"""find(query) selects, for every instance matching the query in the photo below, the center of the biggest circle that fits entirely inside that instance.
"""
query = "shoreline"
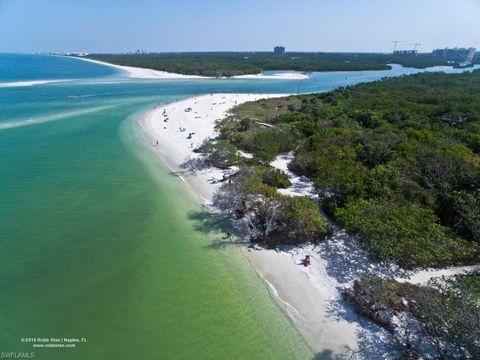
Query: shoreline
(141, 73)
(306, 295)
(274, 76)
(176, 151)
(311, 297)
(151, 74)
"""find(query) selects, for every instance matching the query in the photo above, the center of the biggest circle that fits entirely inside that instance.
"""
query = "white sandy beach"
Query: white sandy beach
(165, 124)
(141, 73)
(274, 76)
(310, 296)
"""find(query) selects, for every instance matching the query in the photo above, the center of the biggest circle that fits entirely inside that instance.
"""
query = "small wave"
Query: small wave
(87, 95)
(48, 118)
(30, 83)
(289, 308)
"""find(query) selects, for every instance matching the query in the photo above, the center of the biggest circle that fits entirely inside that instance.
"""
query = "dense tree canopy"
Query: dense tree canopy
(396, 161)
(240, 63)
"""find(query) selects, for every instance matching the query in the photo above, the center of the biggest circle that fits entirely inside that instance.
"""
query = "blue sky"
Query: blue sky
(215, 25)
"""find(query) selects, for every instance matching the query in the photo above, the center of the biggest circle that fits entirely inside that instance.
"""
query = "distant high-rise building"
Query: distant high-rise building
(455, 54)
(279, 50)
(405, 52)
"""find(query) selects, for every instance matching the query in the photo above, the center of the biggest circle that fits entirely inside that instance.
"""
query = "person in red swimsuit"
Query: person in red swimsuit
(306, 261)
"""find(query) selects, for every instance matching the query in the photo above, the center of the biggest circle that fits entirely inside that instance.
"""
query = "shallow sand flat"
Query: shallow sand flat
(30, 83)
(275, 76)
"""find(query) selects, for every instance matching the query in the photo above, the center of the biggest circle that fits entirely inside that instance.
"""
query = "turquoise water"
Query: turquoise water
(15, 67)
(99, 241)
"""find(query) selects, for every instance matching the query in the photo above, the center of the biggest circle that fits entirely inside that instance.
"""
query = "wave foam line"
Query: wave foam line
(30, 83)
(48, 118)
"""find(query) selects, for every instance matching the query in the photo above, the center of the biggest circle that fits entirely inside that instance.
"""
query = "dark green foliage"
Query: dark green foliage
(408, 234)
(335, 171)
(229, 64)
(264, 175)
(300, 221)
(274, 177)
(377, 147)
(221, 154)
(253, 136)
(468, 285)
(460, 210)
(380, 152)
(267, 143)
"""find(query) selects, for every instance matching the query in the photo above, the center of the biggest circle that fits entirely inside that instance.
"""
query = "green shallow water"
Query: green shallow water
(100, 241)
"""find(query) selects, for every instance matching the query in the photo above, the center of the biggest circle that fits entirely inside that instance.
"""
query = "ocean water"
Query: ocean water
(99, 241)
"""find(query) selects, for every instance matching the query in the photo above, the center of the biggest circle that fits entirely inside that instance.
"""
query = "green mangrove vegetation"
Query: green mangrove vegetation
(396, 162)
(221, 64)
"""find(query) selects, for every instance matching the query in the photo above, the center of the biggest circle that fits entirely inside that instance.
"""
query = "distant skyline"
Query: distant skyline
(247, 25)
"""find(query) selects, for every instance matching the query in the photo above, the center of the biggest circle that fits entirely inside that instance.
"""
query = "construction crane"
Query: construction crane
(395, 42)
(415, 44)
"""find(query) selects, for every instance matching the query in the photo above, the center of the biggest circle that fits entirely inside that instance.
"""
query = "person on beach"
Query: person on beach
(306, 261)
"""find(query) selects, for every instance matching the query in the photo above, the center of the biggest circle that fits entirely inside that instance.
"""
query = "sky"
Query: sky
(241, 25)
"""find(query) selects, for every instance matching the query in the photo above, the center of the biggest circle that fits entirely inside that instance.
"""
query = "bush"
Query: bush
(275, 177)
(338, 177)
(301, 221)
(461, 211)
(268, 143)
(407, 234)
(221, 154)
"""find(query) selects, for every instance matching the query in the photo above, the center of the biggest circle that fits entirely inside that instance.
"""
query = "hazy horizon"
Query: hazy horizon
(203, 52)
(213, 25)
